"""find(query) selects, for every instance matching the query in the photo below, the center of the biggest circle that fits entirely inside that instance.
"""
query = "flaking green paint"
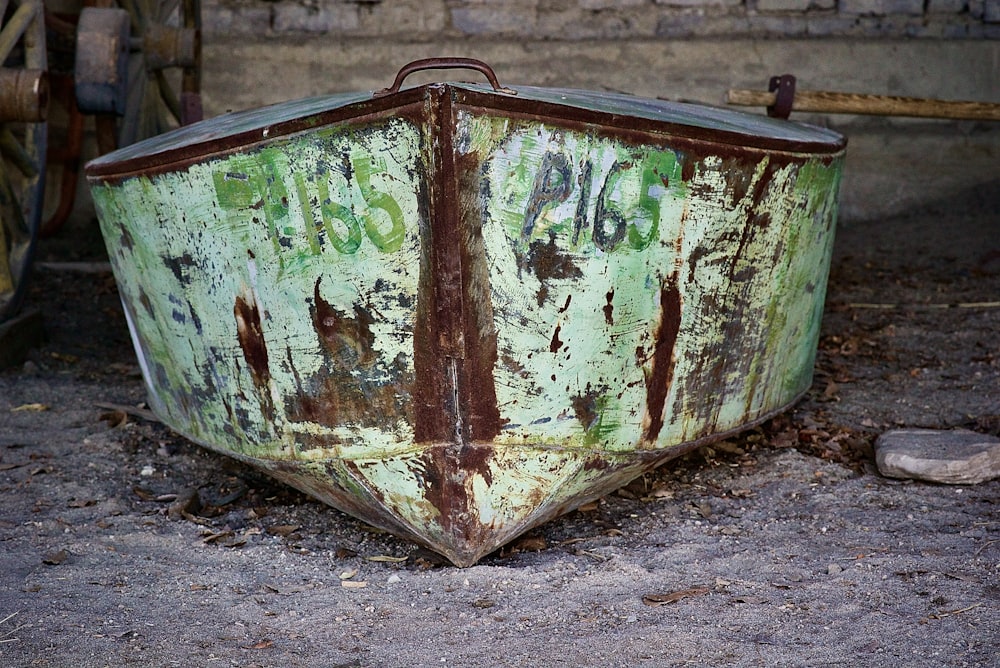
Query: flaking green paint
(273, 296)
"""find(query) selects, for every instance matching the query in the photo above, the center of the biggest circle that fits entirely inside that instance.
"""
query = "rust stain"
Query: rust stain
(755, 222)
(555, 344)
(347, 339)
(477, 394)
(738, 178)
(596, 463)
(609, 308)
(446, 470)
(687, 167)
(337, 393)
(585, 408)
(662, 369)
(477, 459)
(251, 337)
(547, 262)
(431, 420)
(438, 331)
(146, 303)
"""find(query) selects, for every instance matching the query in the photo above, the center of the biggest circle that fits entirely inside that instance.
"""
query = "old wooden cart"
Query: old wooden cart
(135, 68)
(458, 310)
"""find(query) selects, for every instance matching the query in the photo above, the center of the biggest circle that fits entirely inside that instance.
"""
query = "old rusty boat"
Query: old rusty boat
(457, 310)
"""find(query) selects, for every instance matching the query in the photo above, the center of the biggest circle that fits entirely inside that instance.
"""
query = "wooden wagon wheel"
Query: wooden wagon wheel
(164, 70)
(137, 68)
(23, 101)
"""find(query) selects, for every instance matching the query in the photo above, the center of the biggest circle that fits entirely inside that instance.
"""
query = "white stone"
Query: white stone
(955, 457)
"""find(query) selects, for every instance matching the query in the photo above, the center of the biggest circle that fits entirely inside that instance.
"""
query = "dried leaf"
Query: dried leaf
(347, 575)
(263, 644)
(82, 503)
(284, 530)
(34, 408)
(114, 418)
(529, 544)
(830, 392)
(216, 536)
(386, 558)
(588, 507)
(673, 597)
(483, 603)
(188, 502)
(353, 584)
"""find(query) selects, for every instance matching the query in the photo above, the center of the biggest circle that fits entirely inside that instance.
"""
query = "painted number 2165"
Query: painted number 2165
(613, 222)
(259, 183)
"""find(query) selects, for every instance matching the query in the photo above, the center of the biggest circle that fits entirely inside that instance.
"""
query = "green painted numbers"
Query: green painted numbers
(626, 210)
(262, 181)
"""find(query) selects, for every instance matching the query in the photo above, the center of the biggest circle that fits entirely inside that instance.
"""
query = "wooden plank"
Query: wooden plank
(873, 105)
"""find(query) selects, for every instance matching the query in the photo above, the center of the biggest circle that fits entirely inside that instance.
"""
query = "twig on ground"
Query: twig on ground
(984, 546)
(948, 613)
(6, 638)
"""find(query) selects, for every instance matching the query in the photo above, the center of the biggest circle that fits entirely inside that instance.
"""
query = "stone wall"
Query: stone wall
(424, 20)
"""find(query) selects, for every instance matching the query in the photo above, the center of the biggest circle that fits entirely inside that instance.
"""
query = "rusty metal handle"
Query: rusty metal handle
(444, 64)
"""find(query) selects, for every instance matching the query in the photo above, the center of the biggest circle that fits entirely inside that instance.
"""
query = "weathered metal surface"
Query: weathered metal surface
(456, 313)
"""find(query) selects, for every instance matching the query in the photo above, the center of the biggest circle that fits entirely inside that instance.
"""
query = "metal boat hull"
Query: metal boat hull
(455, 313)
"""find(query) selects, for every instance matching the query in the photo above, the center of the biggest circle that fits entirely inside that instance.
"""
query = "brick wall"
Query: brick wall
(567, 20)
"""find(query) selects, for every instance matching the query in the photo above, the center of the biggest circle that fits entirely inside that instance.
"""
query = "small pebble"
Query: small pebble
(834, 569)
(393, 579)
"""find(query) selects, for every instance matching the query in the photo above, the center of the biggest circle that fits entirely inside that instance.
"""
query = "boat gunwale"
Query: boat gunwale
(636, 129)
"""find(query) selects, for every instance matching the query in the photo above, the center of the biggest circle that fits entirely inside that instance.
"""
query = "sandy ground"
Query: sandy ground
(781, 547)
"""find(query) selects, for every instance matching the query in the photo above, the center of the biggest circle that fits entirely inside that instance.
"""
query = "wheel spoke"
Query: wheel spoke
(15, 152)
(11, 227)
(137, 78)
(167, 10)
(134, 15)
(15, 28)
(154, 111)
(169, 97)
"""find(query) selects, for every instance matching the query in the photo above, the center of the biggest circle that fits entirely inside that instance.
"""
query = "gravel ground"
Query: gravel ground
(121, 544)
